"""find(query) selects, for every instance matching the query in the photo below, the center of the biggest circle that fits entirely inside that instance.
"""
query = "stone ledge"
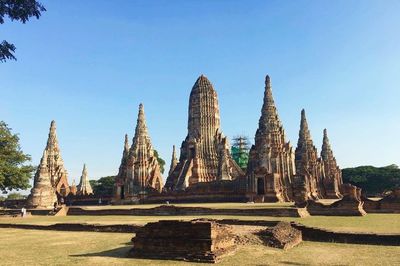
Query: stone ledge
(171, 210)
(115, 228)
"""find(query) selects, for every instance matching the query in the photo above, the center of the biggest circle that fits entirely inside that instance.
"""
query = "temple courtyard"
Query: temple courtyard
(27, 247)
(58, 247)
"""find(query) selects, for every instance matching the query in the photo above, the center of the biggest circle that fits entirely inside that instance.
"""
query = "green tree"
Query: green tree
(161, 162)
(15, 196)
(14, 174)
(373, 180)
(19, 10)
(103, 186)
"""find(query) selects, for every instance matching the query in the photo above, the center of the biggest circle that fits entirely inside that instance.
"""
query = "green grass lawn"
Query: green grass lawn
(377, 223)
(35, 247)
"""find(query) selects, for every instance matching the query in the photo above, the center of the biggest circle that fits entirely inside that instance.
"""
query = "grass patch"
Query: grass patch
(34, 247)
(376, 223)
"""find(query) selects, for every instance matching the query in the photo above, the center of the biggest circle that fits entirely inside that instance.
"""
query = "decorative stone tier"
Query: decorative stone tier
(199, 241)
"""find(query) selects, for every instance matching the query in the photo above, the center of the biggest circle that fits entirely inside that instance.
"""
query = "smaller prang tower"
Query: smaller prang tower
(43, 194)
(271, 163)
(333, 175)
(309, 168)
(84, 188)
(174, 161)
(139, 171)
(55, 163)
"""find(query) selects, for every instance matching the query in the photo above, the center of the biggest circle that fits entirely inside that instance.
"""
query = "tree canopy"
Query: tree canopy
(103, 186)
(17, 10)
(161, 162)
(14, 174)
(373, 180)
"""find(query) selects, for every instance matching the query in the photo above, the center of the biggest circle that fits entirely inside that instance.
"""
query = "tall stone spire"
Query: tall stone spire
(204, 148)
(271, 162)
(174, 161)
(84, 187)
(333, 174)
(307, 162)
(43, 194)
(139, 170)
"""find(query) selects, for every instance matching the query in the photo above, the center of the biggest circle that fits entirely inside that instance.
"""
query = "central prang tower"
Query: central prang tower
(205, 155)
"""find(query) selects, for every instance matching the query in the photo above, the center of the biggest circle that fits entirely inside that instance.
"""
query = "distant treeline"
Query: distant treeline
(373, 180)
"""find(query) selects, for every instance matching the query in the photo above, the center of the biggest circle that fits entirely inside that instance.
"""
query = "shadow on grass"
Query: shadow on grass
(121, 252)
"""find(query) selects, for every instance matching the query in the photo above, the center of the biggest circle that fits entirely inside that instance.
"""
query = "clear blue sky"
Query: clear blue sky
(88, 65)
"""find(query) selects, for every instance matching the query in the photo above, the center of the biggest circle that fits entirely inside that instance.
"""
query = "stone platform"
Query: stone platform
(199, 241)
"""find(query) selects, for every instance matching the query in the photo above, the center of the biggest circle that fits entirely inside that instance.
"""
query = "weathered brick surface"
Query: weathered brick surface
(283, 236)
(202, 241)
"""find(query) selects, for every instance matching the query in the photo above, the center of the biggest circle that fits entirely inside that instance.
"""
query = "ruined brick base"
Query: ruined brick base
(283, 236)
(343, 207)
(199, 241)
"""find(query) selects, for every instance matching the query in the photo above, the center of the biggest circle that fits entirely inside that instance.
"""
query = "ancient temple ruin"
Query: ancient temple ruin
(55, 164)
(43, 194)
(309, 167)
(205, 153)
(84, 188)
(271, 161)
(139, 171)
(333, 174)
(206, 171)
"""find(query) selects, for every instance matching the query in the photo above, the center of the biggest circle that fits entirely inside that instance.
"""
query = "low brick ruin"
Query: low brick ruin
(283, 236)
(388, 204)
(350, 205)
(199, 241)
